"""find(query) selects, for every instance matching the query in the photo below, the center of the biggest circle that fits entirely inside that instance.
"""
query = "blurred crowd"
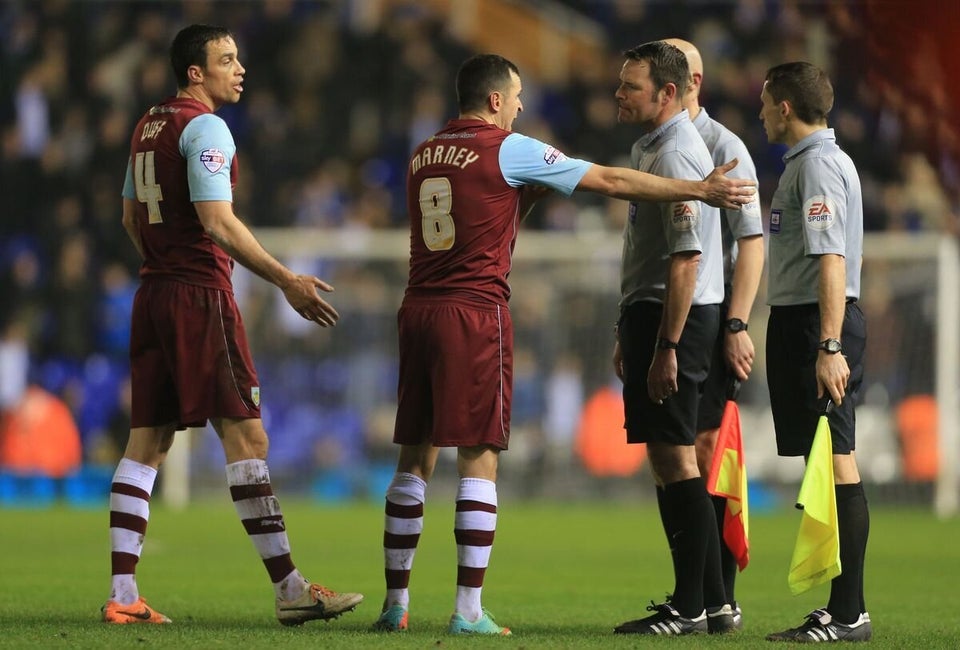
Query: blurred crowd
(336, 94)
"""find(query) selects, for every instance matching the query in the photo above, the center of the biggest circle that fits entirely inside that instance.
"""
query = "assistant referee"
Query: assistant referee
(816, 333)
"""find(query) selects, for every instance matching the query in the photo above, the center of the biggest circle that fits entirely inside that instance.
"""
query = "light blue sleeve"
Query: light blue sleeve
(129, 192)
(527, 161)
(207, 145)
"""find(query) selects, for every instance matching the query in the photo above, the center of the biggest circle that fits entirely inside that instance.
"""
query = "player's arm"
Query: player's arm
(716, 189)
(224, 228)
(738, 346)
(527, 161)
(832, 369)
(131, 225)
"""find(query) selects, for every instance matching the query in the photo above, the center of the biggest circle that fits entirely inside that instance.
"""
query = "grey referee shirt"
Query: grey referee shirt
(816, 210)
(655, 230)
(724, 146)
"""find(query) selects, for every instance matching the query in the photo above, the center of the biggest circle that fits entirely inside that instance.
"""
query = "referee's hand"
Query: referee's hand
(832, 376)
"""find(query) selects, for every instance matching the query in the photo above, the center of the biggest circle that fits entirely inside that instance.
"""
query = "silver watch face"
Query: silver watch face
(830, 345)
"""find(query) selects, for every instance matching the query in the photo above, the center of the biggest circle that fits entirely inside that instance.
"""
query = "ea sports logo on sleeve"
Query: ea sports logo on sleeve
(819, 212)
(685, 216)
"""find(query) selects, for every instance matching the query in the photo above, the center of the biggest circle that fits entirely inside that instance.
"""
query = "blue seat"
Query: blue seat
(90, 487)
(27, 490)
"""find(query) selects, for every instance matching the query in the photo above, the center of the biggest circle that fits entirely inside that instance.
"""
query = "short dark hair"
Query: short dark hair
(668, 64)
(805, 86)
(189, 48)
(481, 75)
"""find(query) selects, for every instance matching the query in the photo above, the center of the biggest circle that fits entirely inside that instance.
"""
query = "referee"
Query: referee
(733, 352)
(671, 288)
(816, 333)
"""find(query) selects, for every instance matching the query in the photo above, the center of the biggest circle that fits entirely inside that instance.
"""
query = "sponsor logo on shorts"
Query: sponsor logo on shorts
(213, 160)
(686, 215)
(775, 220)
(632, 213)
(552, 155)
(819, 212)
(255, 395)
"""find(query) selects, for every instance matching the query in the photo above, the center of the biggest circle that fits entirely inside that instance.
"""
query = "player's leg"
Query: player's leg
(406, 494)
(403, 523)
(245, 445)
(475, 526)
(474, 384)
(130, 494)
(154, 414)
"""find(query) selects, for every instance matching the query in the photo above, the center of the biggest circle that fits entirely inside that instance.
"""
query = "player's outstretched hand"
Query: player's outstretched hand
(730, 193)
(303, 297)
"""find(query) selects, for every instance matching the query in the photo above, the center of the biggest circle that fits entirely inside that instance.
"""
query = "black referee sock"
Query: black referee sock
(728, 563)
(846, 590)
(692, 520)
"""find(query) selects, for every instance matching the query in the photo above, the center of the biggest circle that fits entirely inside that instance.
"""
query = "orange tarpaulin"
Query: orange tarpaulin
(601, 440)
(917, 425)
(40, 436)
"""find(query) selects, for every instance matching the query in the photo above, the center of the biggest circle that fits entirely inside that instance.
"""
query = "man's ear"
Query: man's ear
(195, 74)
(669, 93)
(495, 100)
(697, 79)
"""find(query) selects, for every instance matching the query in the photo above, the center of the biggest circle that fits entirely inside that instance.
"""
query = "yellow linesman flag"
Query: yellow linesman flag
(816, 556)
(728, 478)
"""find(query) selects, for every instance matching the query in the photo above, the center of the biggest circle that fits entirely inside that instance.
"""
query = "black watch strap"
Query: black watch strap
(735, 325)
(666, 344)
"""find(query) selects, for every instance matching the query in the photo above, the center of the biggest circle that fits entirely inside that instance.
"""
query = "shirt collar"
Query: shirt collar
(813, 139)
(649, 138)
(701, 118)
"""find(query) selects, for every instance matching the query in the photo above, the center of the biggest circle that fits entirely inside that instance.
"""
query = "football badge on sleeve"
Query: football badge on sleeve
(685, 215)
(213, 160)
(819, 212)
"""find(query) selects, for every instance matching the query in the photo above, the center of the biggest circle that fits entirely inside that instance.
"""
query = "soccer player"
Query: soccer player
(468, 187)
(816, 333)
(671, 290)
(189, 358)
(733, 352)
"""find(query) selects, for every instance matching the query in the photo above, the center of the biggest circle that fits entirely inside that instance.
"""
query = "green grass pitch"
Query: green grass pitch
(560, 577)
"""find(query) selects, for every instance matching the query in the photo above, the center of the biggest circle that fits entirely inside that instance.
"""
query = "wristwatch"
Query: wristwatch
(735, 325)
(830, 346)
(666, 344)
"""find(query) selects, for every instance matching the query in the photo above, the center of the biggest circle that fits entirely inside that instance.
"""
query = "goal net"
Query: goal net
(329, 395)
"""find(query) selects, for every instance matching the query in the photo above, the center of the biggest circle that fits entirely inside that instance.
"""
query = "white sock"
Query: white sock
(474, 527)
(403, 523)
(130, 510)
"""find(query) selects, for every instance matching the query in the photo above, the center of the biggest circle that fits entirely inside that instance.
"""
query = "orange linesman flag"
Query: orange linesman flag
(728, 478)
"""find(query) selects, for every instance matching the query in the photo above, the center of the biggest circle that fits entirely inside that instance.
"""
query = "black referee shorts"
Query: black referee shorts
(714, 397)
(674, 421)
(792, 336)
